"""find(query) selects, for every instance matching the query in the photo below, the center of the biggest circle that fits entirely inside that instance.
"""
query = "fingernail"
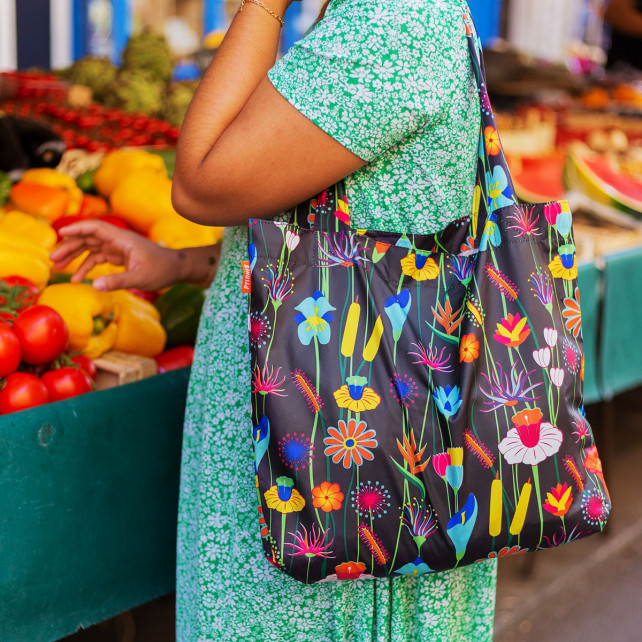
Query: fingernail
(99, 284)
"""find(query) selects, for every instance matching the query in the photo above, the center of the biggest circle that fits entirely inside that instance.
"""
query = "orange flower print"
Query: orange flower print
(327, 497)
(559, 500)
(350, 443)
(350, 570)
(573, 314)
(493, 144)
(512, 331)
(593, 464)
(468, 348)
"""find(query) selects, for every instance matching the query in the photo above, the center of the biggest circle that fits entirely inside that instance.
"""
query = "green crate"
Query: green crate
(88, 504)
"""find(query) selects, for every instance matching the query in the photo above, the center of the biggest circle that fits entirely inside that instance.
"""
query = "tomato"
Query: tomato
(64, 383)
(10, 351)
(16, 293)
(21, 391)
(174, 358)
(42, 333)
(115, 220)
(86, 364)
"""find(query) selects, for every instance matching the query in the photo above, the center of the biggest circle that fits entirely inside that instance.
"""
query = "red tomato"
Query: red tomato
(10, 351)
(86, 364)
(64, 383)
(30, 293)
(174, 358)
(43, 334)
(21, 391)
(115, 220)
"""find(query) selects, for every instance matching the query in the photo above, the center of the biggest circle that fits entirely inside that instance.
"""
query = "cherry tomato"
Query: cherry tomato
(64, 383)
(43, 334)
(86, 364)
(21, 391)
(174, 358)
(10, 351)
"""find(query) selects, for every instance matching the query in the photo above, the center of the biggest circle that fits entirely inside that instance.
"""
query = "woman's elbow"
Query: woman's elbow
(192, 206)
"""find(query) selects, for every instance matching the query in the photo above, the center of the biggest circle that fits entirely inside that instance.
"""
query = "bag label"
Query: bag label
(246, 285)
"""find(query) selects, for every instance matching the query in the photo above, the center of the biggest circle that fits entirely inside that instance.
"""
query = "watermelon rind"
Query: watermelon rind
(578, 176)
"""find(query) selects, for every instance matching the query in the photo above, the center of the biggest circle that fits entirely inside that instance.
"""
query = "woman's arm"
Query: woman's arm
(623, 16)
(244, 151)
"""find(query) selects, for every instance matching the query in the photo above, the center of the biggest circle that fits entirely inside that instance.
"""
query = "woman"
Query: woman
(383, 93)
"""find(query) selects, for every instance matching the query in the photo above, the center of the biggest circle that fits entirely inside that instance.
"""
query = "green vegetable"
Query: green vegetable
(149, 52)
(5, 186)
(136, 90)
(93, 72)
(180, 309)
(86, 181)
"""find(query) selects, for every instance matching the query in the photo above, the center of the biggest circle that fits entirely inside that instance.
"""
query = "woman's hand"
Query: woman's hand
(148, 266)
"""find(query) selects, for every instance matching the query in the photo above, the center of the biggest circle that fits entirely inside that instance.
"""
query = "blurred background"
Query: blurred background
(565, 78)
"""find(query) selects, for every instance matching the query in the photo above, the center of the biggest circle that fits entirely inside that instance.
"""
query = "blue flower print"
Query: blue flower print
(461, 524)
(491, 234)
(499, 194)
(314, 319)
(251, 250)
(448, 400)
(261, 436)
(416, 567)
(397, 308)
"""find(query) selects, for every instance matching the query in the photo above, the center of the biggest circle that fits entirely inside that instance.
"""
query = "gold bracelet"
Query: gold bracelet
(260, 4)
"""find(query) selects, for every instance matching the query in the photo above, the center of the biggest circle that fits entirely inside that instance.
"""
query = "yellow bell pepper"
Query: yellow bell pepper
(91, 316)
(119, 164)
(26, 227)
(139, 330)
(99, 270)
(142, 199)
(24, 260)
(52, 178)
(176, 232)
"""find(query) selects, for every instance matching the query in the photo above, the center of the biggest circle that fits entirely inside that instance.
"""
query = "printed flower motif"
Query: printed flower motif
(468, 348)
(448, 400)
(314, 319)
(355, 396)
(291, 240)
(251, 253)
(551, 212)
(259, 327)
(564, 220)
(440, 463)
(307, 389)
(542, 357)
(397, 308)
(455, 471)
(296, 451)
(350, 442)
(512, 331)
(493, 144)
(279, 282)
(327, 496)
(505, 391)
(420, 520)
(524, 224)
(379, 552)
(562, 537)
(542, 288)
(557, 376)
(501, 281)
(581, 428)
(550, 336)
(416, 567)
(571, 356)
(311, 544)
(429, 357)
(507, 551)
(595, 507)
(350, 570)
(448, 319)
(531, 440)
(573, 314)
(499, 194)
(342, 212)
(593, 465)
(462, 268)
(379, 251)
(266, 382)
(342, 249)
(419, 266)
(284, 497)
(461, 524)
(468, 248)
(564, 265)
(371, 500)
(409, 453)
(403, 389)
(559, 500)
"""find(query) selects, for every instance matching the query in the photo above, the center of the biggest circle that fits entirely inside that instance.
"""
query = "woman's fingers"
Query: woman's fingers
(94, 259)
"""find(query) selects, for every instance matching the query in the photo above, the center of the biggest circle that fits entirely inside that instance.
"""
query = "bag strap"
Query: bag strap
(328, 211)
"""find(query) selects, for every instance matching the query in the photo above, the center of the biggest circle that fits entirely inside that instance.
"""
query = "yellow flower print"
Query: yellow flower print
(354, 395)
(419, 266)
(283, 497)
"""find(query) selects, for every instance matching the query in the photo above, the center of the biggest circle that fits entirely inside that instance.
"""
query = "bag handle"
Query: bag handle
(493, 176)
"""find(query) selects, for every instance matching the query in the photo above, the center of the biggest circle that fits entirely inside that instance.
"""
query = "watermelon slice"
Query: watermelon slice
(540, 179)
(597, 176)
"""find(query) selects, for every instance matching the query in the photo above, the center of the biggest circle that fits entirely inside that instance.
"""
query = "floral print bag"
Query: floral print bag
(417, 399)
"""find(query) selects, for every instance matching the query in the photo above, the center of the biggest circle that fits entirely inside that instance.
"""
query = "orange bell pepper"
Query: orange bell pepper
(93, 206)
(40, 200)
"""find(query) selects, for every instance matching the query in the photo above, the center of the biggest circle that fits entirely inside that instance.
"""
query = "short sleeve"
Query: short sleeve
(369, 74)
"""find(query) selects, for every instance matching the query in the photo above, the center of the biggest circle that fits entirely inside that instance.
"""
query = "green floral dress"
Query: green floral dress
(390, 80)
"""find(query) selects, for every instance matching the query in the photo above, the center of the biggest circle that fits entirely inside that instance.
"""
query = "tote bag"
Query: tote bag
(417, 399)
